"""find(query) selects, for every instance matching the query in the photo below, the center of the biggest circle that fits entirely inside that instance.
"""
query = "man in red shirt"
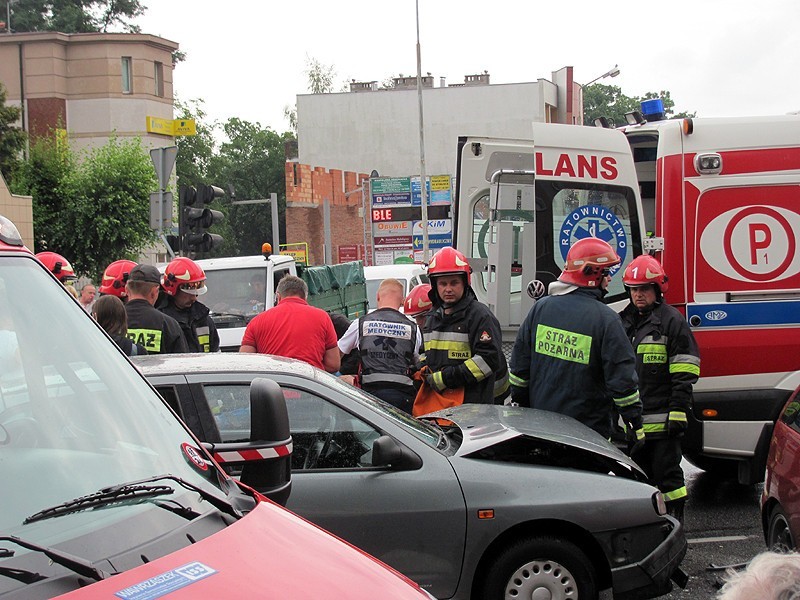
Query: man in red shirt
(294, 329)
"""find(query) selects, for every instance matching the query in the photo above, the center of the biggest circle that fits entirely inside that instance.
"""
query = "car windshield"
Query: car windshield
(240, 292)
(75, 415)
(422, 430)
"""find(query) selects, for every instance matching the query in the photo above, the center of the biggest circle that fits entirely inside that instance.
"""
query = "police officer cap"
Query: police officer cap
(146, 273)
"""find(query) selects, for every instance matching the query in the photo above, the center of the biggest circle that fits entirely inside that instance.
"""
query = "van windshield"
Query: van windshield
(75, 417)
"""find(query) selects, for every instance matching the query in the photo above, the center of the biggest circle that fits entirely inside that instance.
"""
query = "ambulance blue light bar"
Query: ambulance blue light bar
(653, 110)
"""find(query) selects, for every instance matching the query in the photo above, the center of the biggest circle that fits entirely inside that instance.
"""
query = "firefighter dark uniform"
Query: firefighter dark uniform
(463, 347)
(571, 355)
(157, 332)
(198, 329)
(668, 365)
(184, 280)
(387, 348)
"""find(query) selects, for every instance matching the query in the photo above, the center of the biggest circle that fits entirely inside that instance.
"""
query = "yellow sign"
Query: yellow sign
(299, 252)
(440, 183)
(171, 127)
(298, 255)
(159, 126)
(184, 127)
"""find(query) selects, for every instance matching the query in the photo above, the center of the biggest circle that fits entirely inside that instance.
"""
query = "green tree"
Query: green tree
(76, 16)
(12, 138)
(194, 151)
(320, 81)
(95, 210)
(44, 176)
(253, 162)
(608, 101)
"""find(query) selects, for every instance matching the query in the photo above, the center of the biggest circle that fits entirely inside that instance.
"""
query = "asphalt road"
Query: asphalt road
(723, 527)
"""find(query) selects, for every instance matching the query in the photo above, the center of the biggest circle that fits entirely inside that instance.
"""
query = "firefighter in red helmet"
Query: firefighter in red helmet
(418, 304)
(58, 266)
(184, 280)
(668, 365)
(115, 277)
(571, 354)
(463, 344)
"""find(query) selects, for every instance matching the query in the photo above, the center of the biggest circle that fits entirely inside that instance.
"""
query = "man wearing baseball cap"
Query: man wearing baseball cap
(148, 327)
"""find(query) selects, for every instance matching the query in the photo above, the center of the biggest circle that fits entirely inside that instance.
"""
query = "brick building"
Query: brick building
(307, 189)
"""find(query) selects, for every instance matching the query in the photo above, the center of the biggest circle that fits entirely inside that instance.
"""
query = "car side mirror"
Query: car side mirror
(266, 459)
(388, 452)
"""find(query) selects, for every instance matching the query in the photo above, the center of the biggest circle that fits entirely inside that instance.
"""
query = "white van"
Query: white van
(408, 274)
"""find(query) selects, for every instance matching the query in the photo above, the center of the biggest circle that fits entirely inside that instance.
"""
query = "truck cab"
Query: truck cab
(239, 289)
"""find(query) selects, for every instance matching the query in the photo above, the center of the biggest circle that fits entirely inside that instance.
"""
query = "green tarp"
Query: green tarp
(337, 288)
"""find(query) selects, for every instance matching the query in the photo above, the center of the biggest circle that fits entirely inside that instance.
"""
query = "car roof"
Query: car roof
(203, 362)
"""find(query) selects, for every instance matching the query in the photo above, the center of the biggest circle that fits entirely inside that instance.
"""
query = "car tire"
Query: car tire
(779, 536)
(556, 567)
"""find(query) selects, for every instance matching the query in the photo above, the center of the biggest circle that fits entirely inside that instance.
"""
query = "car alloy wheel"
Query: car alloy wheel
(779, 535)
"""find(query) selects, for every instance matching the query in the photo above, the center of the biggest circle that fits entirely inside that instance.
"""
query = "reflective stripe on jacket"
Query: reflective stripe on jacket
(464, 349)
(667, 362)
(571, 356)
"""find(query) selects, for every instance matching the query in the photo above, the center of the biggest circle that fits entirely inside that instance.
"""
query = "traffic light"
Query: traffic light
(195, 218)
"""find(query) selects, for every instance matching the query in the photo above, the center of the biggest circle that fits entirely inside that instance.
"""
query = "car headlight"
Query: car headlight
(659, 504)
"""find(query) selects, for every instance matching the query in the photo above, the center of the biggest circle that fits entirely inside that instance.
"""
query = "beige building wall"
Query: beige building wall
(76, 82)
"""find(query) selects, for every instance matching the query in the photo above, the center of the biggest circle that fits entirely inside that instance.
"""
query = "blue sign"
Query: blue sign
(434, 241)
(166, 583)
(594, 220)
(434, 197)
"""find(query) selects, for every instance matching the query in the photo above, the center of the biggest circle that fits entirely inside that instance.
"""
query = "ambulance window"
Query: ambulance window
(606, 212)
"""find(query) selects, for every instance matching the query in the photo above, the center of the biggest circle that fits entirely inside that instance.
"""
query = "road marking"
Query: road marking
(724, 538)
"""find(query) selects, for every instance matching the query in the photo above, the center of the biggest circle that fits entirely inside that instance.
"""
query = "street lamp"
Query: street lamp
(613, 72)
(610, 73)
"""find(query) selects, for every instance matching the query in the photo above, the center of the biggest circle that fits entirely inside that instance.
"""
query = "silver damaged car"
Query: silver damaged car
(474, 502)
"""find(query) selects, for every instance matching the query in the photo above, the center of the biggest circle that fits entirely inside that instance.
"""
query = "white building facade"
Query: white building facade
(379, 129)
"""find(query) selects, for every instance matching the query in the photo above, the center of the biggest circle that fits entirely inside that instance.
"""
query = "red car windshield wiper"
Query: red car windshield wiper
(132, 490)
(79, 565)
(105, 496)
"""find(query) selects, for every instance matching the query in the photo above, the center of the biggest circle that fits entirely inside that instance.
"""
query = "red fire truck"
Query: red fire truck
(716, 200)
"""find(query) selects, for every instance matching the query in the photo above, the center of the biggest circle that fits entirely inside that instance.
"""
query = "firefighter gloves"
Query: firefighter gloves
(676, 423)
(436, 381)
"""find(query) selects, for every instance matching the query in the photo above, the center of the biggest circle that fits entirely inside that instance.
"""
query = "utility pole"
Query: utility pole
(422, 179)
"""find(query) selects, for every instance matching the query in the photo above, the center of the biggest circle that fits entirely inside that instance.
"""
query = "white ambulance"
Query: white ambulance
(717, 201)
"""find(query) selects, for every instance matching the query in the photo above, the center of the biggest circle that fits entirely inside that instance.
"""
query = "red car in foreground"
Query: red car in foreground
(780, 500)
(107, 494)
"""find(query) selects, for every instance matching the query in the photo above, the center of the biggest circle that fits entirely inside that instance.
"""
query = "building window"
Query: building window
(127, 75)
(159, 79)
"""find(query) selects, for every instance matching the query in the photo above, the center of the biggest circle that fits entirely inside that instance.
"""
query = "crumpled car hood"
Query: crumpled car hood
(484, 426)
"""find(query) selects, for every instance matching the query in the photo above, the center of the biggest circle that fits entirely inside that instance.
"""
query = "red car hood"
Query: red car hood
(270, 553)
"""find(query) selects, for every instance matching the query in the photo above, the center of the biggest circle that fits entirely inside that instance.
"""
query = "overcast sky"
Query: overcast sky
(247, 58)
